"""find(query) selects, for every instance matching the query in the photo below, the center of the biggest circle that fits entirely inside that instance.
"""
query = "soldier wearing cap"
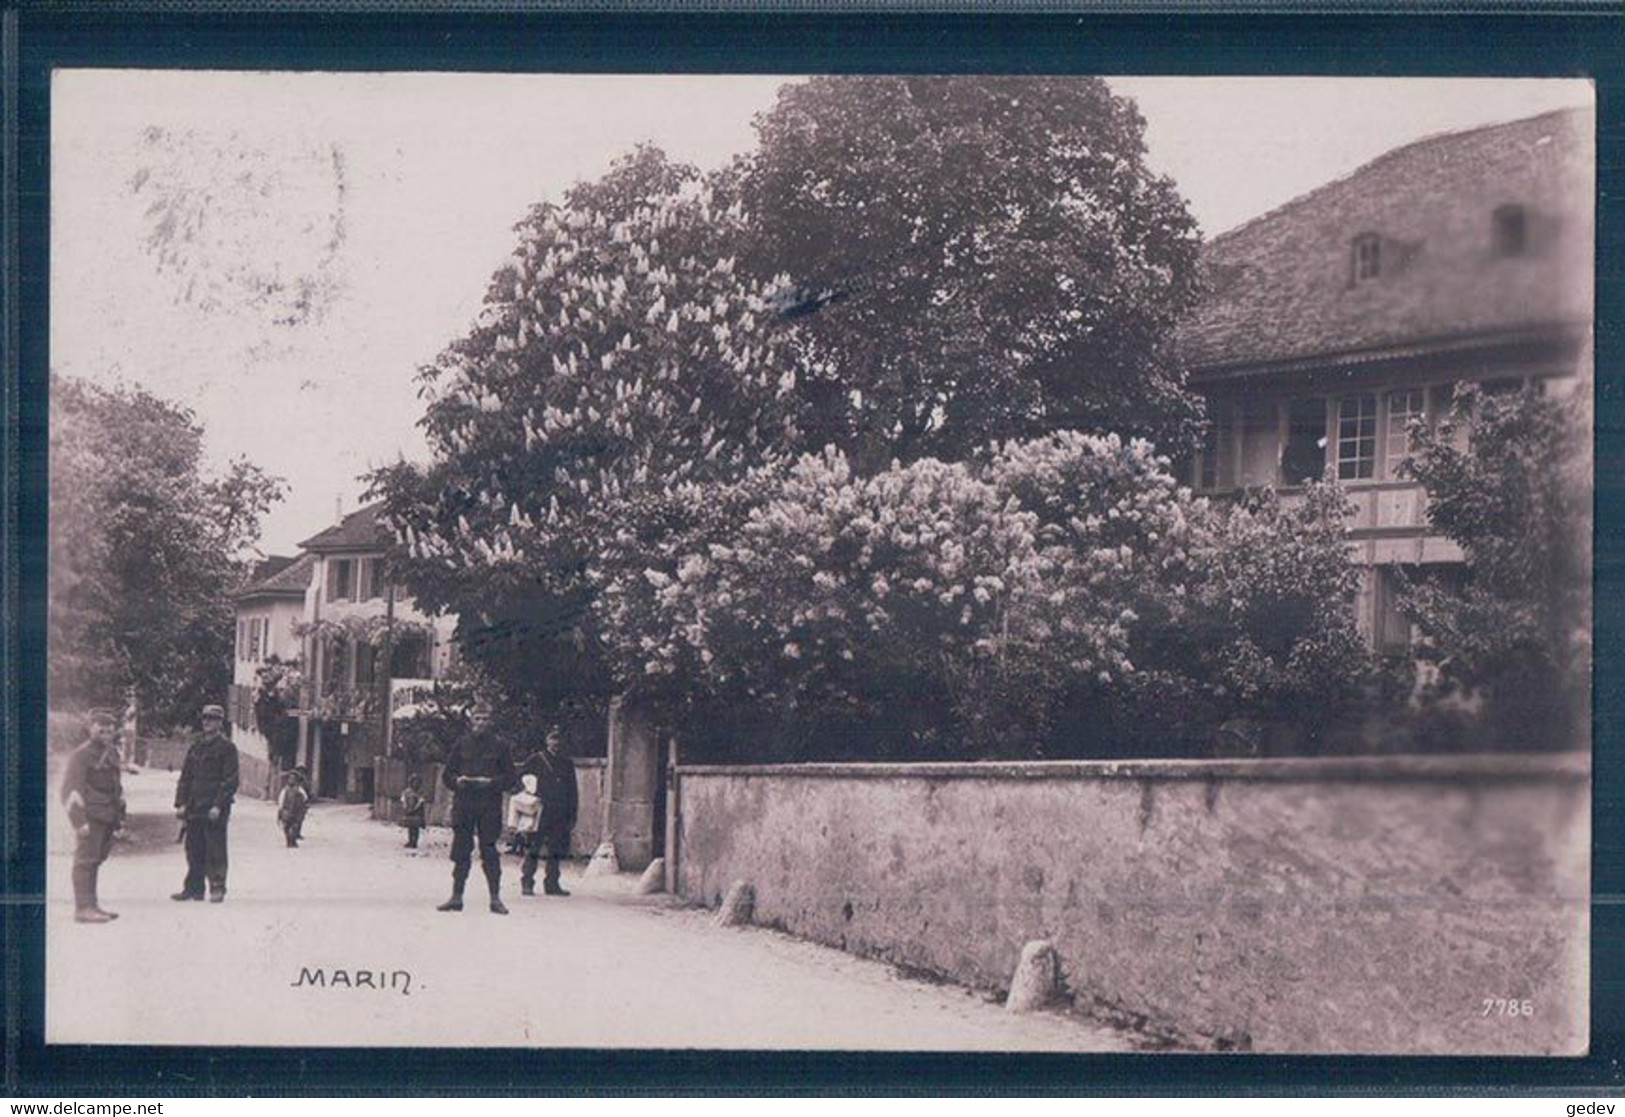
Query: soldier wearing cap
(203, 798)
(479, 771)
(93, 793)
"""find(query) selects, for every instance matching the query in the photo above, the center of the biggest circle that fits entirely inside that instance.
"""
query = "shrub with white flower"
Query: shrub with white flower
(1023, 605)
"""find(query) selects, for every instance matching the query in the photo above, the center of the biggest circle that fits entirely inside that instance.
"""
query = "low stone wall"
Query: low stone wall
(1352, 905)
(588, 832)
(169, 753)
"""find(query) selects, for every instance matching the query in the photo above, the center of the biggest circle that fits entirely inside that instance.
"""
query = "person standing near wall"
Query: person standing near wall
(93, 793)
(556, 789)
(203, 798)
(414, 810)
(479, 771)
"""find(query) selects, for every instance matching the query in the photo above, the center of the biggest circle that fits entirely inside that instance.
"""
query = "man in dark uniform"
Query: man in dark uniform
(203, 798)
(93, 793)
(556, 788)
(479, 772)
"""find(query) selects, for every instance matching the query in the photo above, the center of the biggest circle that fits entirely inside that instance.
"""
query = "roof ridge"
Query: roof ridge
(1391, 154)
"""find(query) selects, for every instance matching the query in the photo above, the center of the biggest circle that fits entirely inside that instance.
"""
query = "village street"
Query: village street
(601, 968)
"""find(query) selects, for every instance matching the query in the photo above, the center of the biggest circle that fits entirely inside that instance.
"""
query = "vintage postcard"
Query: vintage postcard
(976, 563)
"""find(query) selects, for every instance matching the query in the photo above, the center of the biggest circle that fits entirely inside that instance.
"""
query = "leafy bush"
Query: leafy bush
(278, 685)
(1514, 636)
(1038, 602)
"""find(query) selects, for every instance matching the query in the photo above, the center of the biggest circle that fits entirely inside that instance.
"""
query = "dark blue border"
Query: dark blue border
(1581, 42)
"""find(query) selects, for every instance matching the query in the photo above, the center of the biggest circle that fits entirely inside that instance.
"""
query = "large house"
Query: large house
(270, 611)
(353, 614)
(363, 651)
(1338, 318)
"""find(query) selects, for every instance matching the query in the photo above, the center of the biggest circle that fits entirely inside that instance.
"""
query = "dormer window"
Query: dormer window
(1511, 230)
(1367, 257)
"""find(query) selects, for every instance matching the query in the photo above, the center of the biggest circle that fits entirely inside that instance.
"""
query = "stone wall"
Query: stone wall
(1349, 905)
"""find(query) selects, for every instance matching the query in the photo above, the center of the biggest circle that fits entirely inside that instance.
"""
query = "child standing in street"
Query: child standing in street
(414, 810)
(291, 807)
(524, 814)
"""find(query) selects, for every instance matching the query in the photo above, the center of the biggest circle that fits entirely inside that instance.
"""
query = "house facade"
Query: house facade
(269, 612)
(363, 644)
(1337, 320)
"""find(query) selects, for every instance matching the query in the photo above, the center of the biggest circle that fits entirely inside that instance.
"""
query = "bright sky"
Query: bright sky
(326, 234)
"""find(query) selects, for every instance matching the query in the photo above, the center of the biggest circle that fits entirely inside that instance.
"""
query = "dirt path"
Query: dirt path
(602, 968)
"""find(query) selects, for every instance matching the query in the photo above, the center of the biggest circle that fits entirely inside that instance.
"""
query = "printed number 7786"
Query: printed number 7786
(1503, 1006)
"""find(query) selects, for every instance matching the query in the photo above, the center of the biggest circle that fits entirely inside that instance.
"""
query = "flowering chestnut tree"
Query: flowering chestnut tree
(619, 355)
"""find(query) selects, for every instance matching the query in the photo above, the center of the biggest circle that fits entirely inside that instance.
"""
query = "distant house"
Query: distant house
(352, 616)
(1338, 318)
(269, 611)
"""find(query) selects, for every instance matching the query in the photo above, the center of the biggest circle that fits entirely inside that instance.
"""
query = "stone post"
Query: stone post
(630, 780)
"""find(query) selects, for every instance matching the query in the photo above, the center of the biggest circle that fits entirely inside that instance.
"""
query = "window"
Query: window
(1511, 230)
(244, 703)
(1356, 438)
(341, 579)
(1367, 257)
(242, 639)
(1216, 468)
(1403, 408)
(409, 656)
(1207, 474)
(1304, 457)
(366, 659)
(254, 640)
(1391, 629)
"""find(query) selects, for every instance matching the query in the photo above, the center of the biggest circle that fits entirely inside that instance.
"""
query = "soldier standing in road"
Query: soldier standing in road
(479, 772)
(556, 789)
(203, 798)
(93, 793)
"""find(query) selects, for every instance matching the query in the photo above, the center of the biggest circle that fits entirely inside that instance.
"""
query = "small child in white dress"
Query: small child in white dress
(524, 815)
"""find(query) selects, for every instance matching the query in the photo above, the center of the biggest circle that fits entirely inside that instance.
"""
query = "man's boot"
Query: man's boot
(84, 900)
(493, 881)
(95, 901)
(183, 894)
(550, 882)
(456, 901)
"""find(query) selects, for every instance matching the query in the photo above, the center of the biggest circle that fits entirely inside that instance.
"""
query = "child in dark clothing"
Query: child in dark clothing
(414, 810)
(291, 807)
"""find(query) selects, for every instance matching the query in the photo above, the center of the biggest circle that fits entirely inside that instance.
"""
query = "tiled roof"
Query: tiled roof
(288, 579)
(359, 531)
(1282, 285)
(270, 565)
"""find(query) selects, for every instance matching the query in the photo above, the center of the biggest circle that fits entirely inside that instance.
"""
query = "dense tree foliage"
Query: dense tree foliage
(974, 259)
(1515, 634)
(1063, 596)
(619, 354)
(277, 686)
(145, 552)
(1000, 261)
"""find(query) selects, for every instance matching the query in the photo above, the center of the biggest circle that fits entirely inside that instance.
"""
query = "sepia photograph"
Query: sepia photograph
(980, 563)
